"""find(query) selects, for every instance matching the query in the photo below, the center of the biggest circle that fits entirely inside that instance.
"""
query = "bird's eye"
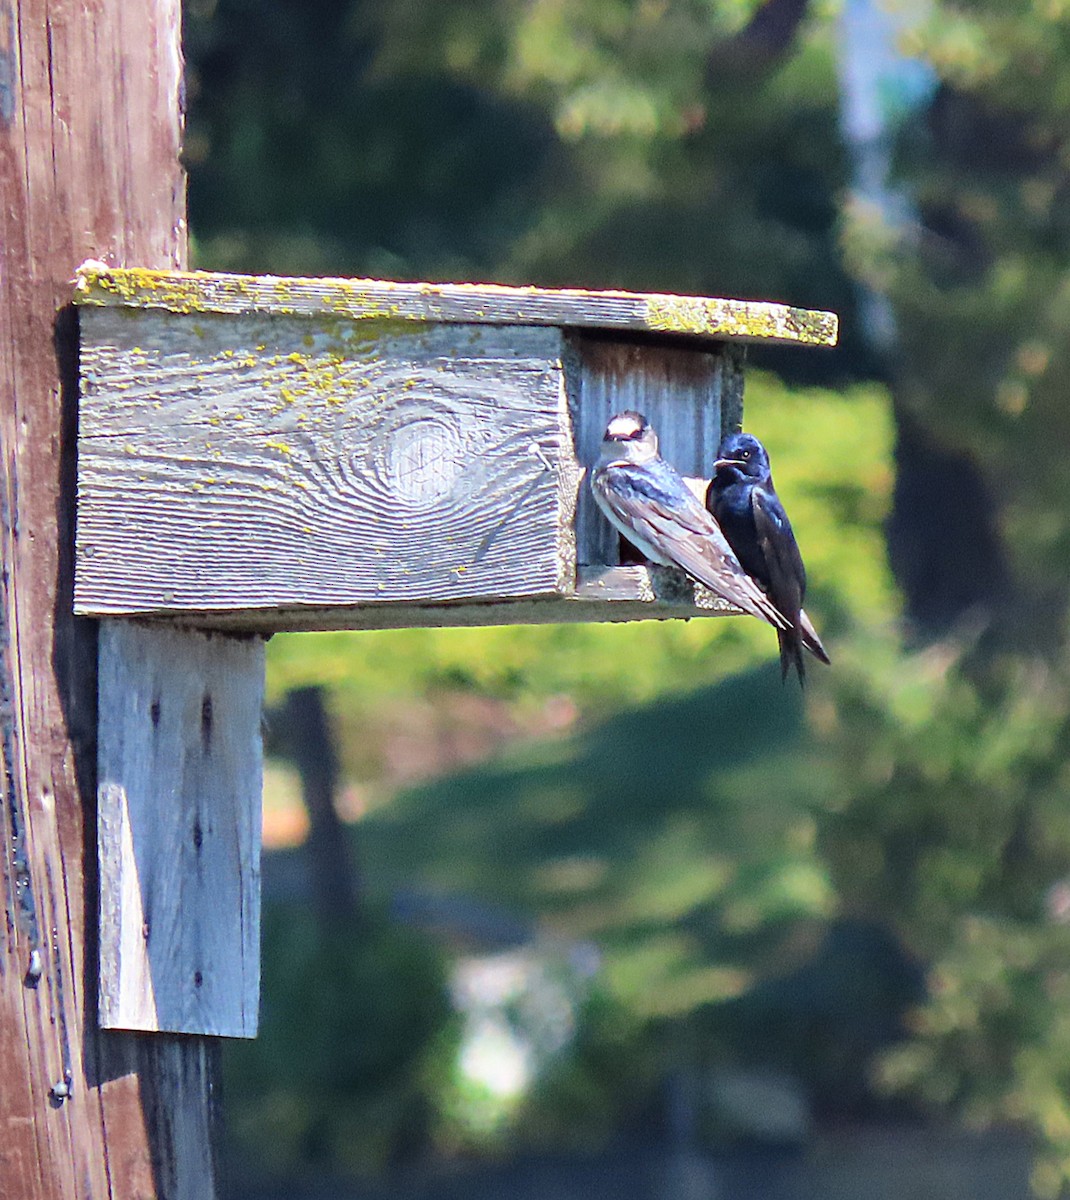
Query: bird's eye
(744, 454)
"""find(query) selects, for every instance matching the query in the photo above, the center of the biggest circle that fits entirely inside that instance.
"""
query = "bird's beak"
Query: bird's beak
(727, 462)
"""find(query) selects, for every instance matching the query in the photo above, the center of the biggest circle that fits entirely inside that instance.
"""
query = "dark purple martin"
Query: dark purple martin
(742, 498)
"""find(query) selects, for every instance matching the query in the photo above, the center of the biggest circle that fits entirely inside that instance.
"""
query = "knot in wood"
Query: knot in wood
(424, 459)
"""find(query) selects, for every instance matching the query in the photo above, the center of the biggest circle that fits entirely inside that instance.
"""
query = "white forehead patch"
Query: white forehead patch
(623, 426)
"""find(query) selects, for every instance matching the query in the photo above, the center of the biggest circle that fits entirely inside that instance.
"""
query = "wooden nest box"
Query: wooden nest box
(260, 453)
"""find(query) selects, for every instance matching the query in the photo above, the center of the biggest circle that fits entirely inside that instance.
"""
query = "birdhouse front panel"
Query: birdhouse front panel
(323, 464)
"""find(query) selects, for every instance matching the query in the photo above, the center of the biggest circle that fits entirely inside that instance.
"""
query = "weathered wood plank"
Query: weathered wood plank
(670, 590)
(90, 129)
(624, 593)
(689, 316)
(179, 784)
(320, 468)
(274, 472)
(678, 390)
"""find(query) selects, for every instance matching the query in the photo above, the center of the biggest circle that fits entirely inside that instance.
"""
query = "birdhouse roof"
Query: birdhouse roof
(698, 317)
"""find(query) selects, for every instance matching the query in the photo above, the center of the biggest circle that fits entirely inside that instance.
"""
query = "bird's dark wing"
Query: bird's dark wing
(785, 573)
(687, 535)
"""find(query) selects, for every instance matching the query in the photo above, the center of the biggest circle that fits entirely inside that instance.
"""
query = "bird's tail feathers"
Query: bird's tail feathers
(791, 654)
(810, 639)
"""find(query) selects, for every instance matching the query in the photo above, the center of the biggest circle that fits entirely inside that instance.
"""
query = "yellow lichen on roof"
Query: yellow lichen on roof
(360, 301)
(740, 318)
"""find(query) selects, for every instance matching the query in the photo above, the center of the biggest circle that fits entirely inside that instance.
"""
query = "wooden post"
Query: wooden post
(90, 130)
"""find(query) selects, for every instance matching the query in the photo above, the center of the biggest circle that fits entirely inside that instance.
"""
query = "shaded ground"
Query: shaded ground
(861, 1164)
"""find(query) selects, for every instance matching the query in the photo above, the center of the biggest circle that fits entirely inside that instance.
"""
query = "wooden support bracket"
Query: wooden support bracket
(178, 832)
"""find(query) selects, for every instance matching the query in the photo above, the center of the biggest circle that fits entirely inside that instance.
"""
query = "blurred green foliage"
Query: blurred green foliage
(356, 1040)
(579, 144)
(981, 285)
(701, 822)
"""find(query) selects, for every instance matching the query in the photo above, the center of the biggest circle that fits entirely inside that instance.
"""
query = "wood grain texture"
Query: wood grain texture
(273, 472)
(732, 363)
(668, 590)
(320, 467)
(630, 593)
(179, 783)
(89, 139)
(687, 316)
(678, 390)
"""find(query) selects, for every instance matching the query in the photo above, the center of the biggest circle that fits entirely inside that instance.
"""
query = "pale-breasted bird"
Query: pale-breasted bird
(743, 499)
(651, 505)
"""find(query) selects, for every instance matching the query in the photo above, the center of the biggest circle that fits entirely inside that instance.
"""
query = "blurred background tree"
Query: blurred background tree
(650, 790)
